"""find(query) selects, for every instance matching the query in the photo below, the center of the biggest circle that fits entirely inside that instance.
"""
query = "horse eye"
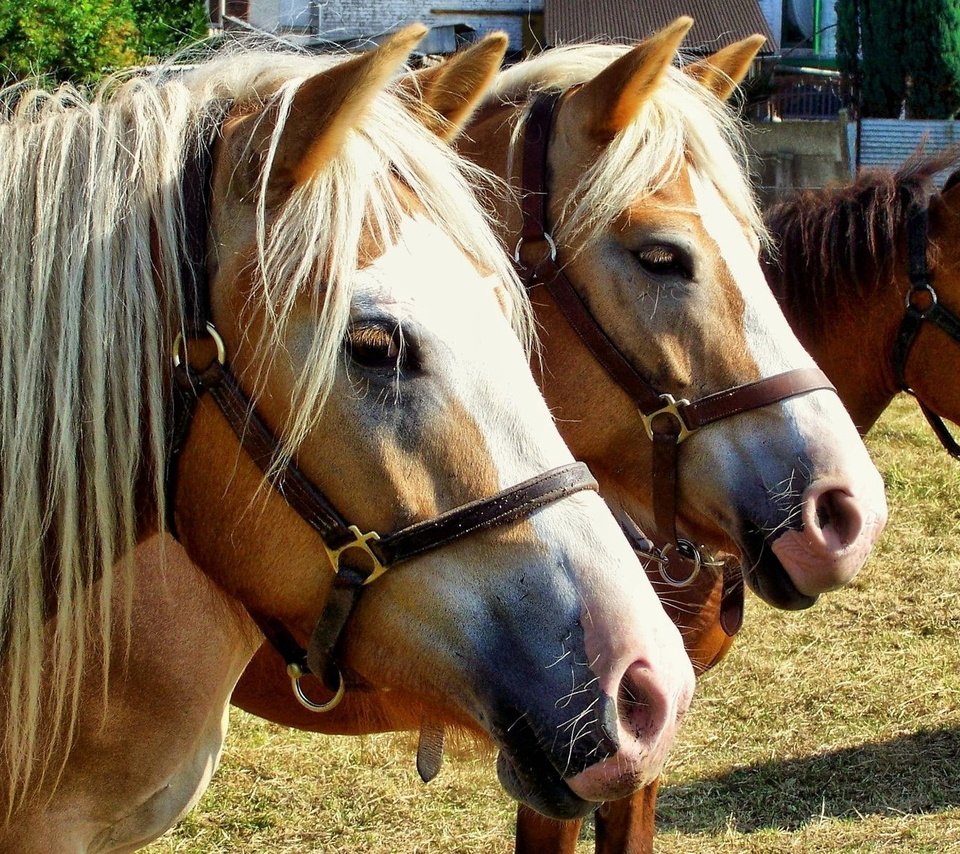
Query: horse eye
(661, 260)
(374, 346)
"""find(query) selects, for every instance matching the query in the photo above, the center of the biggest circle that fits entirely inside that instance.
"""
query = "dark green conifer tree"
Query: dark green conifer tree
(903, 54)
(932, 58)
(871, 45)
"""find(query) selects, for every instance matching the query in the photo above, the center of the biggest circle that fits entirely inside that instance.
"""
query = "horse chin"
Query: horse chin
(767, 576)
(537, 784)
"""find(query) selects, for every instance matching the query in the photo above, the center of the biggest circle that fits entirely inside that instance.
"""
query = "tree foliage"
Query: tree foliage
(903, 54)
(165, 26)
(932, 57)
(80, 40)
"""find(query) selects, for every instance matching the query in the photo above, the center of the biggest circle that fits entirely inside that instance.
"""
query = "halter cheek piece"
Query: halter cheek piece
(357, 558)
(667, 421)
(922, 305)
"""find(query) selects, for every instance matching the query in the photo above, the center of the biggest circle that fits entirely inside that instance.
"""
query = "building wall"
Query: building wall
(264, 14)
(887, 143)
(348, 19)
(773, 11)
(788, 156)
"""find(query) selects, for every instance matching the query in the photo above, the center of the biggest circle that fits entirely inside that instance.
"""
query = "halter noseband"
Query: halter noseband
(922, 305)
(668, 421)
(376, 553)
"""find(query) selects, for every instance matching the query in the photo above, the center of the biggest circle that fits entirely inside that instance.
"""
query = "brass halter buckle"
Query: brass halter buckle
(671, 407)
(361, 542)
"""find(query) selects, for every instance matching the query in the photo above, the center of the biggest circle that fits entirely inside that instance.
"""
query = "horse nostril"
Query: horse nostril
(838, 513)
(641, 709)
(823, 516)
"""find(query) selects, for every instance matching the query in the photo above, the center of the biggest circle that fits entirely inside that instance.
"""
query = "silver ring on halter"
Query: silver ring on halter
(296, 674)
(927, 289)
(211, 330)
(686, 549)
(550, 243)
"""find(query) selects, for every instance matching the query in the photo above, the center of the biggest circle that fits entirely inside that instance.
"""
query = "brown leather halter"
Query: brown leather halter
(922, 305)
(667, 421)
(357, 558)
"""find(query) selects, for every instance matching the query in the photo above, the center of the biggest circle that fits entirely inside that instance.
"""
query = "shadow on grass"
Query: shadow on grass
(918, 773)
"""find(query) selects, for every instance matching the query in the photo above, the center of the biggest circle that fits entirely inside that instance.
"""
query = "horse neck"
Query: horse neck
(850, 337)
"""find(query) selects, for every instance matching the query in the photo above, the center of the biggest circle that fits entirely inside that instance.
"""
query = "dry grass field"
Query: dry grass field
(832, 730)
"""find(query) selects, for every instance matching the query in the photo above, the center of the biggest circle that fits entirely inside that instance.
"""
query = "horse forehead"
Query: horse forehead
(424, 270)
(673, 206)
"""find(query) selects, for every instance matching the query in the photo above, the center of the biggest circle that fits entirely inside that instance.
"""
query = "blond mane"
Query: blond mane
(88, 305)
(683, 121)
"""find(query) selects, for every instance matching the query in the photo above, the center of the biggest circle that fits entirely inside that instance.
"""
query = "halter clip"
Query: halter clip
(924, 289)
(551, 245)
(688, 551)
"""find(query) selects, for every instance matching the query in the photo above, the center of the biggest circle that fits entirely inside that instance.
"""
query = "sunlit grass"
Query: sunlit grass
(832, 730)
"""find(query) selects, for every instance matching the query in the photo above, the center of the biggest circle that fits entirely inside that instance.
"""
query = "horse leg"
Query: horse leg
(627, 826)
(537, 834)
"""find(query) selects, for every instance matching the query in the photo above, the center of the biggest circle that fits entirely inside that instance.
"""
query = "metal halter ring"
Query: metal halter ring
(927, 289)
(550, 243)
(211, 330)
(693, 555)
(296, 674)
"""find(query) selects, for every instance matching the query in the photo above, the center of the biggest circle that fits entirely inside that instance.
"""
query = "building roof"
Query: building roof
(716, 22)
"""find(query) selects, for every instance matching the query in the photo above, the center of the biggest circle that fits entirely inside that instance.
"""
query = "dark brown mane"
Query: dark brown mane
(844, 241)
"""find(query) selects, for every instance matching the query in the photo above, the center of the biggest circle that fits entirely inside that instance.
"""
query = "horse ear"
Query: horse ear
(454, 89)
(722, 71)
(329, 105)
(614, 97)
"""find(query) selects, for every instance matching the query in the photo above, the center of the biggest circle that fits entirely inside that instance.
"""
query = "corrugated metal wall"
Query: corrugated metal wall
(889, 142)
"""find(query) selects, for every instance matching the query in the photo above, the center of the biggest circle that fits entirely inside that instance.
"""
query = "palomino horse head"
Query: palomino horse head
(657, 233)
(404, 390)
(367, 360)
(866, 272)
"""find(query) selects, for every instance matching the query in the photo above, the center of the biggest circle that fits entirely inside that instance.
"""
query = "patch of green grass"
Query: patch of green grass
(831, 731)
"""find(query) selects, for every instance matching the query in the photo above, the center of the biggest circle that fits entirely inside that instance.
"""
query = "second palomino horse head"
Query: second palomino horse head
(656, 234)
(655, 283)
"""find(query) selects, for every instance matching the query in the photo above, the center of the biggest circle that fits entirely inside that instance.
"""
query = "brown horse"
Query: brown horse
(217, 311)
(640, 178)
(866, 273)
